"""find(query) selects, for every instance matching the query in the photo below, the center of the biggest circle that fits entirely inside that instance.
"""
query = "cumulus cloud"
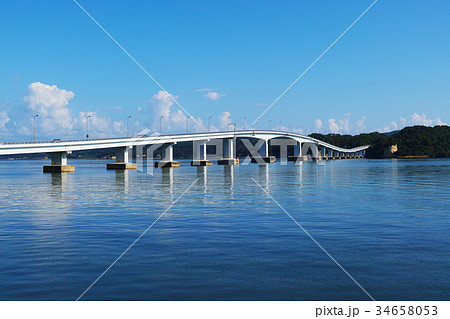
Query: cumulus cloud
(55, 119)
(340, 126)
(3, 120)
(415, 119)
(49, 102)
(224, 120)
(99, 126)
(361, 127)
(317, 125)
(161, 104)
(422, 120)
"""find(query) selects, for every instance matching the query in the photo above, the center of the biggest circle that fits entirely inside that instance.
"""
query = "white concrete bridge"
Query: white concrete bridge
(304, 147)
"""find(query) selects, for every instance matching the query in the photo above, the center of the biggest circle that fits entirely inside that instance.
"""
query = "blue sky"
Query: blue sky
(390, 70)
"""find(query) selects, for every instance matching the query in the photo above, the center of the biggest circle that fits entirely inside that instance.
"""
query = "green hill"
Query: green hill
(413, 141)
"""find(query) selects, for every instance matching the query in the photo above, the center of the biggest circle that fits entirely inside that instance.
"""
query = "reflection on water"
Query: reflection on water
(122, 180)
(228, 175)
(385, 221)
(59, 183)
(264, 175)
(202, 177)
(167, 179)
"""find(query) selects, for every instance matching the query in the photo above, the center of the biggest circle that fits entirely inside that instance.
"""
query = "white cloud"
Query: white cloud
(98, 126)
(173, 120)
(415, 119)
(50, 102)
(333, 126)
(55, 119)
(361, 127)
(211, 94)
(214, 96)
(340, 126)
(119, 128)
(317, 125)
(224, 120)
(3, 120)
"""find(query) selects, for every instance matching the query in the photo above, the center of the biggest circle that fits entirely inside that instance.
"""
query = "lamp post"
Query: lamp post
(269, 124)
(87, 125)
(243, 123)
(228, 122)
(34, 127)
(160, 123)
(128, 125)
(187, 123)
(209, 124)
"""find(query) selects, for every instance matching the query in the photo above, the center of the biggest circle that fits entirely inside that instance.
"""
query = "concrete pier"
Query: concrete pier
(200, 154)
(121, 166)
(164, 163)
(59, 163)
(263, 157)
(122, 159)
(297, 158)
(228, 161)
(167, 157)
(201, 163)
(229, 152)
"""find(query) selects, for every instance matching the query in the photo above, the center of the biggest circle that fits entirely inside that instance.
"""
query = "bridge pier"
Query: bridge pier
(330, 154)
(323, 152)
(315, 152)
(200, 154)
(122, 159)
(297, 157)
(229, 150)
(167, 157)
(264, 157)
(59, 163)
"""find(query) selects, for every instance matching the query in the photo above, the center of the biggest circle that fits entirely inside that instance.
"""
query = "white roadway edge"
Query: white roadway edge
(10, 148)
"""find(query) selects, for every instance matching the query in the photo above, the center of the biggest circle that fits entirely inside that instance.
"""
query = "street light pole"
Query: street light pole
(187, 124)
(269, 124)
(243, 123)
(228, 122)
(160, 125)
(87, 126)
(128, 125)
(34, 127)
(209, 124)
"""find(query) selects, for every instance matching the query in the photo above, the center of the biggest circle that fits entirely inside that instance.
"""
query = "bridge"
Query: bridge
(305, 148)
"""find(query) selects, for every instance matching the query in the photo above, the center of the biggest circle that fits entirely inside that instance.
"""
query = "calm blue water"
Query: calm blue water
(386, 222)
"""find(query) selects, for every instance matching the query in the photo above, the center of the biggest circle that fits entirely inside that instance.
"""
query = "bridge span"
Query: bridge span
(305, 147)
